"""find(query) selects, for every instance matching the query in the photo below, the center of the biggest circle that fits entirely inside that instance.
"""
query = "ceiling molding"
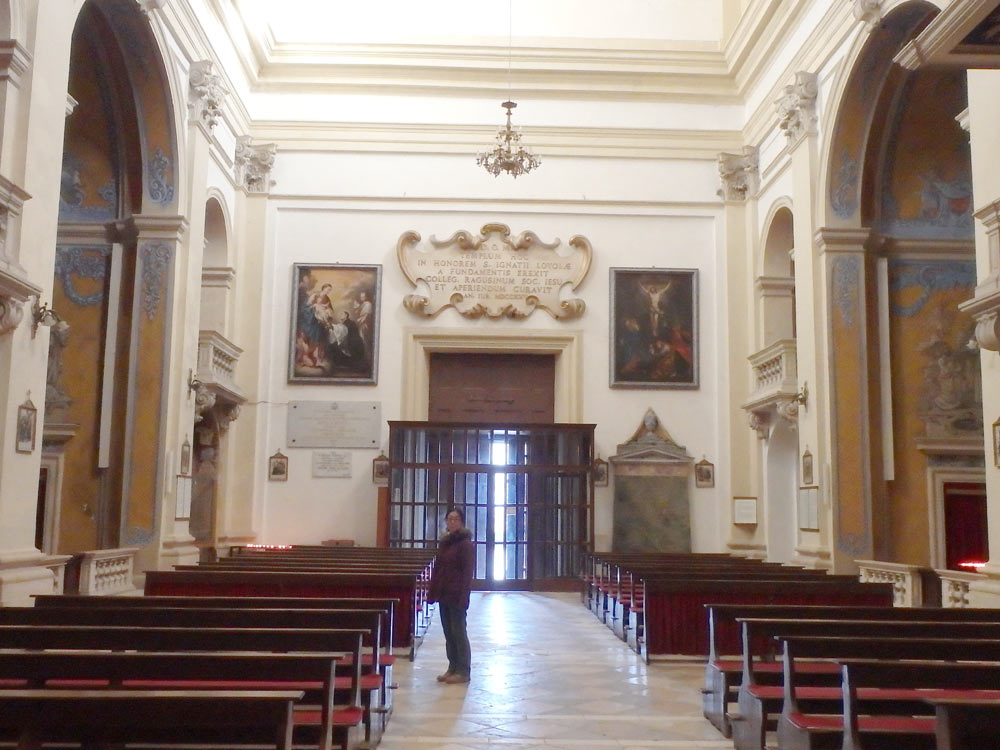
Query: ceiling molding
(451, 139)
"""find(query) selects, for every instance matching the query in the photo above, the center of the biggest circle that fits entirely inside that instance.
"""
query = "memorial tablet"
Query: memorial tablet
(331, 464)
(334, 424)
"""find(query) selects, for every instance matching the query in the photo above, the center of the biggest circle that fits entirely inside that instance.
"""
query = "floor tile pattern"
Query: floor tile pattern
(546, 674)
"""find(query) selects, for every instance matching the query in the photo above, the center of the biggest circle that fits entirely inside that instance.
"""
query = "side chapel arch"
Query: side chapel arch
(896, 236)
(118, 238)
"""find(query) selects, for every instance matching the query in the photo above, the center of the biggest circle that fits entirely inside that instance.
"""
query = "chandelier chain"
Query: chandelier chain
(509, 155)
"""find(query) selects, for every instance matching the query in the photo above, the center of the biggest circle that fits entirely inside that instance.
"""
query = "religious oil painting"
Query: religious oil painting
(654, 328)
(335, 324)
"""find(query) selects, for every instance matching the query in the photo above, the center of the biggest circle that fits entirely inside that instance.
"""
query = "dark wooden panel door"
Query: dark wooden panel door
(481, 387)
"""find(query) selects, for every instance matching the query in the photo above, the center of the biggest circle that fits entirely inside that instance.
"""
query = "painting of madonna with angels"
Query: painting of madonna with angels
(334, 337)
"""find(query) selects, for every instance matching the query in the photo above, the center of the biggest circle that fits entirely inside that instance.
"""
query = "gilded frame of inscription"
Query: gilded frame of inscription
(335, 324)
(495, 274)
(654, 328)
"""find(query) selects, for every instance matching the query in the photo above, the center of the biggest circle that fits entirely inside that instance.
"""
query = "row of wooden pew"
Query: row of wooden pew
(655, 601)
(844, 678)
(291, 646)
(287, 671)
(314, 571)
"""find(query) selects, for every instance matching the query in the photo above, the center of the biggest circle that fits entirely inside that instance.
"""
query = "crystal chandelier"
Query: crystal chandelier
(508, 155)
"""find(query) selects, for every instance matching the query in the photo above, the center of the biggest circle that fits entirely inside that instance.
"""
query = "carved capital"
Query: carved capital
(797, 107)
(789, 411)
(739, 173)
(253, 165)
(869, 12)
(206, 94)
(204, 399)
(759, 422)
(226, 415)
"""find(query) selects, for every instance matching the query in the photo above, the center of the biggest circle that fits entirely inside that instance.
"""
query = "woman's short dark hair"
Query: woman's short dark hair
(456, 509)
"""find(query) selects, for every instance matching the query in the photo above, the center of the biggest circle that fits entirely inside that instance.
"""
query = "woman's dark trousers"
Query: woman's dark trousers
(456, 639)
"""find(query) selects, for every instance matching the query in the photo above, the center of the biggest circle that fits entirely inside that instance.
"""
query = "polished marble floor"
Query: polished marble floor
(546, 674)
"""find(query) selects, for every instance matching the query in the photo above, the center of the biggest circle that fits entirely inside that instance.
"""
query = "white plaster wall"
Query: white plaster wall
(636, 213)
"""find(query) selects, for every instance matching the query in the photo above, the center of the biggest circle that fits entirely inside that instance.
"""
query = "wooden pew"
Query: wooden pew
(284, 640)
(410, 616)
(760, 704)
(966, 723)
(674, 617)
(386, 606)
(371, 681)
(313, 674)
(161, 716)
(724, 669)
(810, 720)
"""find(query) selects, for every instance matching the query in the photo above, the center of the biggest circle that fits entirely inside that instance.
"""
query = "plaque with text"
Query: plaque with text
(494, 275)
(334, 424)
(331, 464)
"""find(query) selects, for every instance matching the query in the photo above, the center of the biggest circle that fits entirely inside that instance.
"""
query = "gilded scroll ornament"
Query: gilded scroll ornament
(493, 274)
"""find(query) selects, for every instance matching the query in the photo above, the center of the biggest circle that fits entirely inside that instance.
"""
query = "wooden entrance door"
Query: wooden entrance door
(492, 388)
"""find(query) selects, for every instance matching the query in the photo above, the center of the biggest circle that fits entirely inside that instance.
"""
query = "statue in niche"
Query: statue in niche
(56, 399)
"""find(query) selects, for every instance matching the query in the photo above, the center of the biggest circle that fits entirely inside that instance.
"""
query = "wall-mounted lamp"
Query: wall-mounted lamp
(42, 315)
(803, 395)
(193, 383)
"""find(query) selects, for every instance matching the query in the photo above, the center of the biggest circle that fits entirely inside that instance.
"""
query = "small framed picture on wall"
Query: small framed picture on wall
(704, 474)
(380, 470)
(807, 469)
(27, 424)
(600, 470)
(277, 467)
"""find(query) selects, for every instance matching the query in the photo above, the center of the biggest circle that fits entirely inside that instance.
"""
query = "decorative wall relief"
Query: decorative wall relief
(493, 274)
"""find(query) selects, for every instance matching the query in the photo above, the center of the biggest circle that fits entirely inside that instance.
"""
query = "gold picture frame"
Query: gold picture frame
(704, 474)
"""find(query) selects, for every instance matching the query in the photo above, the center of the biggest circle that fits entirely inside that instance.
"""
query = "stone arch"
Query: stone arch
(865, 78)
(143, 82)
(896, 237)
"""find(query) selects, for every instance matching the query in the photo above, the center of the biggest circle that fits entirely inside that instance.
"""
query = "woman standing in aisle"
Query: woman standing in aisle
(451, 583)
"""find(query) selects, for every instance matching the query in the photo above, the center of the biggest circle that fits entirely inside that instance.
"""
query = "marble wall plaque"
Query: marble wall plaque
(334, 424)
(652, 514)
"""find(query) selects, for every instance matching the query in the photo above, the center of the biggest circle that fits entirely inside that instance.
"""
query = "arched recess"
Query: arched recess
(781, 480)
(897, 257)
(218, 398)
(775, 285)
(105, 398)
(217, 273)
(775, 377)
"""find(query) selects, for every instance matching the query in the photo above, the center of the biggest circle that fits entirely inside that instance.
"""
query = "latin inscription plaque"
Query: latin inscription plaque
(493, 274)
